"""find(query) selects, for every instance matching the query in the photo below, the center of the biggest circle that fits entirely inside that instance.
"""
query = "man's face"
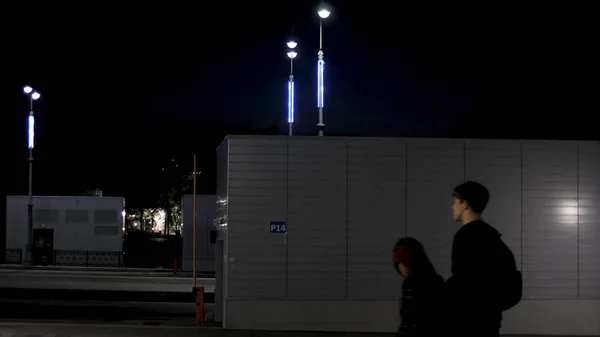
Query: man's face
(458, 207)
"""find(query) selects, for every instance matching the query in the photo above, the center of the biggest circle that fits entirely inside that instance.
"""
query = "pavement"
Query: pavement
(117, 271)
(98, 297)
(108, 281)
(21, 329)
(94, 330)
(97, 311)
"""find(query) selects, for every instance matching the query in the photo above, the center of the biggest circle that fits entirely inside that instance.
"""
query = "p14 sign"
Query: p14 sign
(278, 227)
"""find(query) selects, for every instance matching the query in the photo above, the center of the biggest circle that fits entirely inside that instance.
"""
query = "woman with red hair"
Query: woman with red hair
(422, 290)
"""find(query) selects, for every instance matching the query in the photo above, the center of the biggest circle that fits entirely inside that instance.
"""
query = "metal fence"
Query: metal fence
(73, 258)
(13, 256)
(87, 258)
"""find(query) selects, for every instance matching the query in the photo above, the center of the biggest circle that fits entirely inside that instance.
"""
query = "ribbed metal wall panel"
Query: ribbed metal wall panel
(376, 215)
(346, 201)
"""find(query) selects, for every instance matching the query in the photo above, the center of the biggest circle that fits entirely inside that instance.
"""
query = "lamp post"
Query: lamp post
(291, 54)
(33, 96)
(323, 14)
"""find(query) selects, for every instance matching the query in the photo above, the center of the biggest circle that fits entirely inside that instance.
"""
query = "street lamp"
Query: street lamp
(292, 55)
(32, 95)
(323, 14)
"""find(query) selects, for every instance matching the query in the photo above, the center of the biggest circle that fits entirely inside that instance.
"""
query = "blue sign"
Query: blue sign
(278, 227)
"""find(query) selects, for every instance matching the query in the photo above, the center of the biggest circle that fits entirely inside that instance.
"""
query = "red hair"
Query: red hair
(410, 252)
(401, 254)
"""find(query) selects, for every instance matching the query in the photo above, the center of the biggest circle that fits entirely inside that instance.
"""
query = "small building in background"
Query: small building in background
(74, 227)
(205, 247)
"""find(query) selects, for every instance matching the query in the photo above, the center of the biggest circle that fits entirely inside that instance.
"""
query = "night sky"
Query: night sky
(126, 90)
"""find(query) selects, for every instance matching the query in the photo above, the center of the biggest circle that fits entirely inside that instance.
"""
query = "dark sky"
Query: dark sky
(127, 89)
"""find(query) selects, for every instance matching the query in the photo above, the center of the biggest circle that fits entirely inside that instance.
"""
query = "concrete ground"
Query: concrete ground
(99, 286)
(44, 279)
(97, 311)
(74, 296)
(23, 329)
(118, 271)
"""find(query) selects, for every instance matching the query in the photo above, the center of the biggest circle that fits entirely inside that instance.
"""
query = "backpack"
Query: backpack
(510, 279)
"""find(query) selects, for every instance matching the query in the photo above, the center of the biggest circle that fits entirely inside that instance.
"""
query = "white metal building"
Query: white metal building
(80, 222)
(205, 216)
(344, 202)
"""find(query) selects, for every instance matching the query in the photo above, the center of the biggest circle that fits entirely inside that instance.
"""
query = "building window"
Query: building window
(106, 217)
(46, 217)
(106, 230)
(77, 216)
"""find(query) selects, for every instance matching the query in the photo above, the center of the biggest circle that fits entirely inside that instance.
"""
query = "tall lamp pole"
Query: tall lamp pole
(291, 54)
(33, 96)
(323, 14)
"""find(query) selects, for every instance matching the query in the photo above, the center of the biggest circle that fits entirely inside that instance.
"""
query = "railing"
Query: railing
(72, 258)
(13, 256)
(87, 258)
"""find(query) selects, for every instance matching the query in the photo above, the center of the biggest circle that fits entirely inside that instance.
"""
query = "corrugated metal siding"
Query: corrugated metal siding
(589, 220)
(317, 219)
(257, 194)
(434, 168)
(549, 219)
(345, 204)
(347, 200)
(376, 215)
(497, 165)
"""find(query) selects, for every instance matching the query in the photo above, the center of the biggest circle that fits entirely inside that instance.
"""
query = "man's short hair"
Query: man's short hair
(475, 194)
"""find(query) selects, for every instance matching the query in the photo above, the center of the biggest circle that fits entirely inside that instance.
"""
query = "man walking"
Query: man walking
(484, 279)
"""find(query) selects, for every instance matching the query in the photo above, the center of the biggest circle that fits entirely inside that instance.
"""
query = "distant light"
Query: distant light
(27, 89)
(290, 101)
(320, 83)
(123, 213)
(30, 131)
(36, 95)
(292, 54)
(324, 13)
(292, 44)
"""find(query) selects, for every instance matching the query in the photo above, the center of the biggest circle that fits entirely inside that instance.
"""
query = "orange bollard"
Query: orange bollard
(200, 305)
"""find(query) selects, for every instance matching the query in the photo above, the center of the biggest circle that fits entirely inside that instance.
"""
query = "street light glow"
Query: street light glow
(320, 83)
(291, 101)
(35, 95)
(27, 89)
(30, 132)
(324, 13)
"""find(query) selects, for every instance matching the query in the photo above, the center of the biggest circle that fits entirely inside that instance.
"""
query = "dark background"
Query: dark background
(126, 89)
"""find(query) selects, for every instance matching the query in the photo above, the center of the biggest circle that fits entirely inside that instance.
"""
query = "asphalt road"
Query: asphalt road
(98, 296)
(102, 330)
(97, 311)
(101, 295)
(70, 330)
(28, 279)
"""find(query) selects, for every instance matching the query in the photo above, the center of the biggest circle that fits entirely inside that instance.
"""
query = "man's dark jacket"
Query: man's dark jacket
(473, 287)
